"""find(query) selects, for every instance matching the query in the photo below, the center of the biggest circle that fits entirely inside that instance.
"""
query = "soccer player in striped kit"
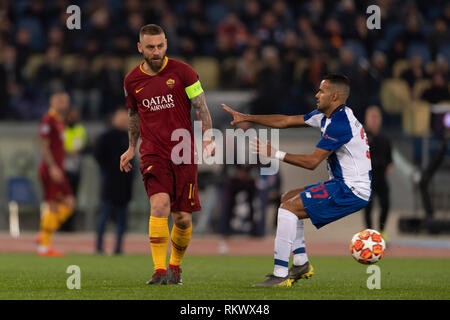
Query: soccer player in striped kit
(345, 146)
(160, 93)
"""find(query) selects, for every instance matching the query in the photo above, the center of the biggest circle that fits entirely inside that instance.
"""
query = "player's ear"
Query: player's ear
(139, 46)
(335, 95)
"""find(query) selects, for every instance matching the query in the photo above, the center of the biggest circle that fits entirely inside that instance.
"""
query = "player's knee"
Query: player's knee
(53, 206)
(286, 205)
(182, 221)
(160, 208)
(285, 196)
(70, 203)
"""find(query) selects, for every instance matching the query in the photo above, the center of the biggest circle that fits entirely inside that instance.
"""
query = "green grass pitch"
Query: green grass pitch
(26, 276)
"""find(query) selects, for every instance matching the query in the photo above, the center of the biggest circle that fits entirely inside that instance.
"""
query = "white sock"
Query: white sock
(298, 248)
(286, 230)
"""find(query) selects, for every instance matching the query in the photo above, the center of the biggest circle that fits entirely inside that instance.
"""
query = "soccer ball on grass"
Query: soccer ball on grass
(367, 246)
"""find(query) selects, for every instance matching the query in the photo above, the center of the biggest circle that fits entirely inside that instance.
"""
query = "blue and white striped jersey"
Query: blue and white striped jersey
(350, 161)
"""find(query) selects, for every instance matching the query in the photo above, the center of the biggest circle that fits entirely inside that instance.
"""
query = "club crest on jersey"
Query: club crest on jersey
(170, 83)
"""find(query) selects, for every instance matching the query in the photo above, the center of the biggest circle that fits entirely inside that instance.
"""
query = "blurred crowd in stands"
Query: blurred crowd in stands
(280, 49)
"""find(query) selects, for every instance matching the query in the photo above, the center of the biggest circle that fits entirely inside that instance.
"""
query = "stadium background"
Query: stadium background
(258, 56)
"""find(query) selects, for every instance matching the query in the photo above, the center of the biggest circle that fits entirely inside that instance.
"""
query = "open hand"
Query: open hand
(262, 148)
(125, 159)
(209, 148)
(237, 116)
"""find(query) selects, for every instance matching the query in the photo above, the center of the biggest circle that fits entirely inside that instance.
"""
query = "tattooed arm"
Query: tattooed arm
(133, 128)
(133, 137)
(202, 112)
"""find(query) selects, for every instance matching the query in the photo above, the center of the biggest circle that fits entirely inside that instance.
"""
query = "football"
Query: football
(367, 246)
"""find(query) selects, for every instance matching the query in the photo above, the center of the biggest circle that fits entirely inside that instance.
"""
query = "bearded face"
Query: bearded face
(153, 48)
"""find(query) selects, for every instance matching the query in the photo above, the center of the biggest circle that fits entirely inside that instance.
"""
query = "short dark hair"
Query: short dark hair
(151, 29)
(335, 78)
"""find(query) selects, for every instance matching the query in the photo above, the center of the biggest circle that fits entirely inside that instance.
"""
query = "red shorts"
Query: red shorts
(179, 181)
(53, 191)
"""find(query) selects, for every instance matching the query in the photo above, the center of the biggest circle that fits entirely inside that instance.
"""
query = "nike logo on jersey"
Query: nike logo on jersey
(137, 91)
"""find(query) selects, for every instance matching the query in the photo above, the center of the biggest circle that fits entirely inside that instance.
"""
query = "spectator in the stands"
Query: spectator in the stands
(83, 85)
(135, 21)
(348, 65)
(439, 36)
(169, 23)
(247, 68)
(154, 10)
(377, 73)
(442, 66)
(396, 52)
(49, 76)
(23, 46)
(297, 28)
(270, 91)
(26, 102)
(233, 32)
(359, 93)
(416, 71)
(290, 54)
(269, 32)
(413, 32)
(194, 27)
(55, 37)
(346, 16)
(250, 15)
(304, 27)
(333, 32)
(13, 70)
(110, 79)
(368, 38)
(35, 18)
(310, 80)
(284, 16)
(98, 35)
(438, 91)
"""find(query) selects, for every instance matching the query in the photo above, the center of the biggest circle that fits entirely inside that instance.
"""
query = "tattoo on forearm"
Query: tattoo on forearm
(201, 110)
(133, 127)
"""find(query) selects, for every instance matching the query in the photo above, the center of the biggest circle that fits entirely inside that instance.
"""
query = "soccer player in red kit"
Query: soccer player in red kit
(57, 191)
(160, 92)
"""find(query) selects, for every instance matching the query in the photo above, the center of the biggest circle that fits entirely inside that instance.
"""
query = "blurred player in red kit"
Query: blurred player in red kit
(57, 191)
(160, 93)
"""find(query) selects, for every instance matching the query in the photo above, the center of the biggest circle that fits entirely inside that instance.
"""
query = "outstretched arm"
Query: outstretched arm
(274, 120)
(307, 161)
(201, 110)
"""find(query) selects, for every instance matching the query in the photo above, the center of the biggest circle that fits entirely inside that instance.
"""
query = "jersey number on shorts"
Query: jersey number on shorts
(191, 193)
(320, 187)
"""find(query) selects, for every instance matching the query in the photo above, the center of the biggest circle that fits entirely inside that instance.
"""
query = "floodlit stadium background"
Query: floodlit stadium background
(257, 56)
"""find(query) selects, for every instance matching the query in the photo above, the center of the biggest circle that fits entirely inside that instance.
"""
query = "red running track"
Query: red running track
(203, 245)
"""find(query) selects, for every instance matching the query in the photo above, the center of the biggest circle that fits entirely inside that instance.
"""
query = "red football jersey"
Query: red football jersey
(52, 128)
(163, 105)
